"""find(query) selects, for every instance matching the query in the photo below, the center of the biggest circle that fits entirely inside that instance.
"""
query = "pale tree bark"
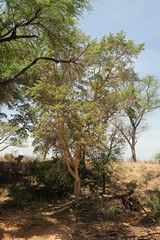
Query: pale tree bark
(133, 145)
(72, 162)
(134, 158)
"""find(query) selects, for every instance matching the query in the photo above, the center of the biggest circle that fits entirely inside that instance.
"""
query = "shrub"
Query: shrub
(21, 197)
(111, 210)
(52, 178)
(9, 157)
(19, 158)
(95, 176)
(148, 177)
(51, 181)
(157, 157)
(154, 204)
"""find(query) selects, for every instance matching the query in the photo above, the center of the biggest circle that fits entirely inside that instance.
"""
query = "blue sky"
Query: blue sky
(140, 19)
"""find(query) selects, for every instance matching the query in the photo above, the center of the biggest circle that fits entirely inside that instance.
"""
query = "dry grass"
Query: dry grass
(130, 171)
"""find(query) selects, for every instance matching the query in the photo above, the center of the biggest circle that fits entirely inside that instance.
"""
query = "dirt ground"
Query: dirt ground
(64, 220)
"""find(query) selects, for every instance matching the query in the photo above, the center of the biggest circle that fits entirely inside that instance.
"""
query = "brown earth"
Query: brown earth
(94, 218)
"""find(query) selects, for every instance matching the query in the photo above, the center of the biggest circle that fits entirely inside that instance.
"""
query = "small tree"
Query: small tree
(157, 157)
(110, 150)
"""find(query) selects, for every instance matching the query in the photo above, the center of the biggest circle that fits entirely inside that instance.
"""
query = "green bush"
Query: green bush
(52, 179)
(94, 176)
(21, 197)
(154, 204)
(148, 177)
(157, 157)
(111, 210)
(47, 180)
(9, 157)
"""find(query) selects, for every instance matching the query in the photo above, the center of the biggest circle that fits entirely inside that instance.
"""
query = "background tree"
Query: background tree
(9, 136)
(144, 98)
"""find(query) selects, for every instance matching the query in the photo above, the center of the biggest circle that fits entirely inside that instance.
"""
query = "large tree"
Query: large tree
(73, 104)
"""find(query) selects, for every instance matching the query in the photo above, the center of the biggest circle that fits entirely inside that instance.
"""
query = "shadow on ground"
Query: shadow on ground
(64, 220)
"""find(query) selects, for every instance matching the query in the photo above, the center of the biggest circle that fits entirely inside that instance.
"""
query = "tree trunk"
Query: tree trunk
(103, 182)
(83, 162)
(77, 188)
(134, 158)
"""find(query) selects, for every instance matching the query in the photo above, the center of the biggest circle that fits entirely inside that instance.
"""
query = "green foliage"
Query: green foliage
(93, 177)
(21, 197)
(157, 157)
(148, 177)
(111, 210)
(33, 29)
(9, 136)
(154, 204)
(81, 98)
(52, 178)
(48, 180)
(9, 157)
(143, 97)
(73, 105)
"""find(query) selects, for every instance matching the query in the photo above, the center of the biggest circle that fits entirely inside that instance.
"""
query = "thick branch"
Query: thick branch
(15, 77)
(2, 149)
(14, 37)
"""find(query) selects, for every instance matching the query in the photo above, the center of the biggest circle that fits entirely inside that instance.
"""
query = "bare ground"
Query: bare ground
(67, 221)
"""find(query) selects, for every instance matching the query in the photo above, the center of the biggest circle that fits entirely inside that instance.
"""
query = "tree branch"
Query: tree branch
(2, 149)
(13, 31)
(15, 37)
(15, 77)
(5, 82)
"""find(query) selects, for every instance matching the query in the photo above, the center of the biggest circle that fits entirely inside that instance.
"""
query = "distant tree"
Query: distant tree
(8, 136)
(157, 157)
(143, 98)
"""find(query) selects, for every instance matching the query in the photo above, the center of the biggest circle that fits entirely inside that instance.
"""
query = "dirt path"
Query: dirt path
(66, 222)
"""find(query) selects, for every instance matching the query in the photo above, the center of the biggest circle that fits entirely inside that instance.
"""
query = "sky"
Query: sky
(140, 19)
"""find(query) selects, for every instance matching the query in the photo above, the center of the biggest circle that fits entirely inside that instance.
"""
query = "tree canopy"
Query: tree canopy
(32, 31)
(144, 98)
(73, 104)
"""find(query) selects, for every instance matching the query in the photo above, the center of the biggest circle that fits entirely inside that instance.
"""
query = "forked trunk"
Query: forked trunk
(71, 162)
